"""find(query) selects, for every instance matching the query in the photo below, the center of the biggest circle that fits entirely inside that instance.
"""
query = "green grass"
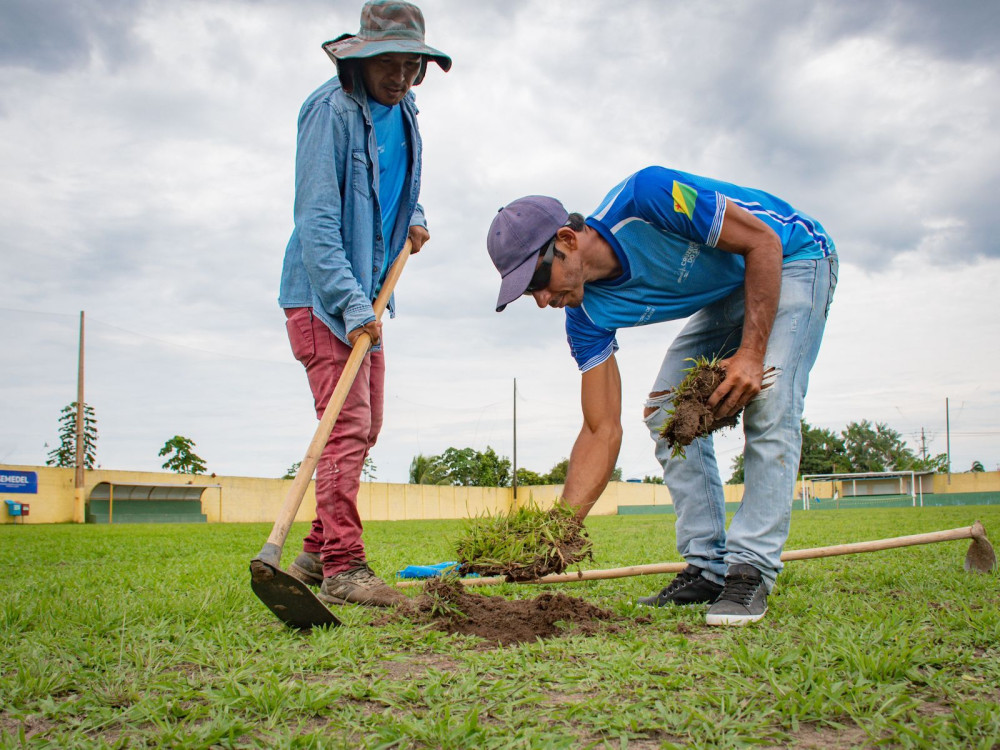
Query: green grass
(522, 543)
(147, 635)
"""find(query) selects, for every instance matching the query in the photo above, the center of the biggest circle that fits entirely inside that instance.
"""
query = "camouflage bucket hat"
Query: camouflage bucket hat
(386, 26)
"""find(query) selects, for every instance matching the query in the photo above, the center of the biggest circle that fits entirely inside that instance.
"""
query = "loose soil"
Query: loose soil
(447, 606)
(691, 418)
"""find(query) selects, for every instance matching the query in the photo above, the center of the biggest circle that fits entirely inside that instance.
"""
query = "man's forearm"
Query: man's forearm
(596, 449)
(590, 466)
(763, 288)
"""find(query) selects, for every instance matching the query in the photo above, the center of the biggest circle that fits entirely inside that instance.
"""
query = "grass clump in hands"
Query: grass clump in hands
(523, 543)
(689, 417)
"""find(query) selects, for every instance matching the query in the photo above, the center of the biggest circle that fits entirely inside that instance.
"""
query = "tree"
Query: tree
(938, 464)
(652, 480)
(977, 466)
(823, 451)
(738, 476)
(875, 447)
(529, 478)
(557, 475)
(468, 467)
(426, 470)
(368, 470)
(183, 460)
(292, 470)
(65, 455)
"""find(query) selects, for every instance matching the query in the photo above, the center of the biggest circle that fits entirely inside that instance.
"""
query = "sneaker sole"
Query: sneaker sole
(737, 620)
(655, 605)
(303, 575)
(339, 602)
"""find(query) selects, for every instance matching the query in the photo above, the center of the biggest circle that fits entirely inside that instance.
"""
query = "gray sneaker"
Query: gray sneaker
(743, 598)
(360, 585)
(308, 568)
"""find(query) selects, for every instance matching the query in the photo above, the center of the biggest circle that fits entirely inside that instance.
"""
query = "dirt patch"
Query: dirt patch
(691, 418)
(447, 606)
(816, 737)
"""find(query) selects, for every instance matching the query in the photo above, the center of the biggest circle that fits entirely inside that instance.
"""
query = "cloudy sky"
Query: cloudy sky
(146, 177)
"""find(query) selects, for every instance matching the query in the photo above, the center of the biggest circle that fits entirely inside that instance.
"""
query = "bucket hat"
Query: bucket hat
(386, 26)
(517, 235)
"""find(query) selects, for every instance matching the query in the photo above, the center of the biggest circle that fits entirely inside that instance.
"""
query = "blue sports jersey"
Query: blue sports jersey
(663, 225)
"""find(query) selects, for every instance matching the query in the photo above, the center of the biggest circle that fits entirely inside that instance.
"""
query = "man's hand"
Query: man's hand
(744, 380)
(418, 236)
(372, 328)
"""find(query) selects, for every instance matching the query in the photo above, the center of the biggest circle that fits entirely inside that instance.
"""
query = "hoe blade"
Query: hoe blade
(290, 599)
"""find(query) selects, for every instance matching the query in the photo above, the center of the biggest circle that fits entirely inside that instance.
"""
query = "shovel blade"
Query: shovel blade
(288, 598)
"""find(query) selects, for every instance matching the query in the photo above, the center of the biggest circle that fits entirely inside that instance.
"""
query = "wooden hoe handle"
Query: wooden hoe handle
(271, 553)
(975, 532)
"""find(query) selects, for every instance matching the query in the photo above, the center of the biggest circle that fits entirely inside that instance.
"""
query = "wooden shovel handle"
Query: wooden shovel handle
(293, 498)
(968, 532)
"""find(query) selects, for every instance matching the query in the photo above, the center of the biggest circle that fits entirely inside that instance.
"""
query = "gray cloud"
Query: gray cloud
(148, 179)
(52, 36)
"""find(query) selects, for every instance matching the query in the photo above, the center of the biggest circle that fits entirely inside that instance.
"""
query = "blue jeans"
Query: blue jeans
(771, 426)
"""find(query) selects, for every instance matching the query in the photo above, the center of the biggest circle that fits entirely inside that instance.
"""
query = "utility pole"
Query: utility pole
(947, 432)
(923, 444)
(514, 481)
(79, 514)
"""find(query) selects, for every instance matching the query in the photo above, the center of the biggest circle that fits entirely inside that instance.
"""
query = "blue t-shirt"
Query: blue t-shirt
(663, 225)
(393, 159)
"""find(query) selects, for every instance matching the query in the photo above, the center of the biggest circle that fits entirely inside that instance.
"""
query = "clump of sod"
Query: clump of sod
(689, 417)
(523, 543)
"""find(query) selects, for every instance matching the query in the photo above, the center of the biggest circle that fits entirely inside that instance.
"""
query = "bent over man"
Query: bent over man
(756, 277)
(357, 180)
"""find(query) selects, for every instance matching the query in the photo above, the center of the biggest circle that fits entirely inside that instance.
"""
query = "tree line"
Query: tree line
(467, 467)
(178, 450)
(860, 447)
(863, 446)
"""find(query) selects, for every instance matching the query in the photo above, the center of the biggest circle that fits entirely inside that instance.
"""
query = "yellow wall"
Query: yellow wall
(255, 500)
(978, 481)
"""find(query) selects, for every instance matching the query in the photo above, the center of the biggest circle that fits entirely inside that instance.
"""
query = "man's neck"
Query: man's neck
(601, 259)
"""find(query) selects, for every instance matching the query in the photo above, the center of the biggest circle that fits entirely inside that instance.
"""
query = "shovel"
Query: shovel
(285, 595)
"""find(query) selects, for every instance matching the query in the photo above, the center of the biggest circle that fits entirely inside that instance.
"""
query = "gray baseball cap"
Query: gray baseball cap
(517, 235)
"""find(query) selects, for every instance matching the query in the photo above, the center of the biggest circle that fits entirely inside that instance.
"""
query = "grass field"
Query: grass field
(132, 636)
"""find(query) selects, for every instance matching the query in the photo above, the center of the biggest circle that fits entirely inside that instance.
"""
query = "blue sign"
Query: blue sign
(19, 482)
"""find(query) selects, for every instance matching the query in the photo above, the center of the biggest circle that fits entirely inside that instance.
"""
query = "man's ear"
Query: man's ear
(569, 238)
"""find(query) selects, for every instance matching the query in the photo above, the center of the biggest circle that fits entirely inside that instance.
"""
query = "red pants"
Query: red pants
(336, 531)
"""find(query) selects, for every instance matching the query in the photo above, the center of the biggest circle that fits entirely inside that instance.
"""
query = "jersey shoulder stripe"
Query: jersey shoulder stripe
(820, 238)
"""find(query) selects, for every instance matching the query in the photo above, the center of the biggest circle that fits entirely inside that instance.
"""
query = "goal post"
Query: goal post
(845, 485)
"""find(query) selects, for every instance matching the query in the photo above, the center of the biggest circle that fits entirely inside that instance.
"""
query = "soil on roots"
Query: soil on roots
(446, 605)
(559, 541)
(691, 418)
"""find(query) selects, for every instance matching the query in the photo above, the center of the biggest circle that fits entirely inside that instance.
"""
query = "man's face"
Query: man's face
(388, 77)
(565, 287)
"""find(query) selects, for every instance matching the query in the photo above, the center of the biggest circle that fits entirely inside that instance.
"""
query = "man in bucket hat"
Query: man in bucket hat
(357, 181)
(756, 276)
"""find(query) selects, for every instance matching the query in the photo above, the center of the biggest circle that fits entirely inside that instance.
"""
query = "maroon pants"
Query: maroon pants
(336, 531)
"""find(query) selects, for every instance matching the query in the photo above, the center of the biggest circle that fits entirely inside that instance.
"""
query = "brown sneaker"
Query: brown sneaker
(360, 585)
(308, 568)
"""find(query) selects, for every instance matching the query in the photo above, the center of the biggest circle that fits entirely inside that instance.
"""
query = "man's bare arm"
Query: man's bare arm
(746, 235)
(596, 449)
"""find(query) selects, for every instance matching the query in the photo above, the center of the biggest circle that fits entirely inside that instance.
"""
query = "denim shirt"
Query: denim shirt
(336, 252)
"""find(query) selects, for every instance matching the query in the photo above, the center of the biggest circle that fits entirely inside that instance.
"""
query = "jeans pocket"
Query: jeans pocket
(834, 270)
(359, 173)
(300, 335)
